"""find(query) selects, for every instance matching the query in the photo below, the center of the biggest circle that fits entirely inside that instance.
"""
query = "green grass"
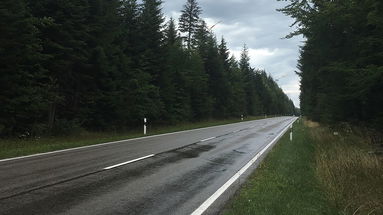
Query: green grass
(19, 147)
(285, 182)
(350, 172)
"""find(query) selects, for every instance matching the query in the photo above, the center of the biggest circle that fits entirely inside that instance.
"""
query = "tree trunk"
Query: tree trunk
(51, 116)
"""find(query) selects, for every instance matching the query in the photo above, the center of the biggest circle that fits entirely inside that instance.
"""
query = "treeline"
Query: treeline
(342, 60)
(107, 64)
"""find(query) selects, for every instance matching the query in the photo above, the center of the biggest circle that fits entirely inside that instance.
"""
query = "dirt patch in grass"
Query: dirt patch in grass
(311, 124)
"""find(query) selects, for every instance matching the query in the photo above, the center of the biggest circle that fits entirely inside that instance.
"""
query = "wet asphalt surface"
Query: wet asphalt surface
(182, 174)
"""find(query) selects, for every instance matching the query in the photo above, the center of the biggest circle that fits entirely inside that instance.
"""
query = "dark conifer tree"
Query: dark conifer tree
(201, 39)
(238, 105)
(151, 38)
(106, 64)
(150, 62)
(64, 38)
(224, 54)
(130, 29)
(22, 77)
(341, 61)
(201, 100)
(189, 21)
(104, 28)
(253, 106)
(218, 83)
(174, 66)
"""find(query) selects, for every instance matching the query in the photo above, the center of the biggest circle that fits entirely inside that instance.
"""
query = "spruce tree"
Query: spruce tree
(129, 40)
(145, 80)
(107, 64)
(341, 60)
(64, 37)
(22, 95)
(218, 83)
(237, 107)
(252, 98)
(104, 28)
(201, 38)
(151, 38)
(173, 65)
(189, 21)
(201, 100)
(224, 54)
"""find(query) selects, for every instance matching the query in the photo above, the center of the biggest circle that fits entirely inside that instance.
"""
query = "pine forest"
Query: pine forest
(106, 64)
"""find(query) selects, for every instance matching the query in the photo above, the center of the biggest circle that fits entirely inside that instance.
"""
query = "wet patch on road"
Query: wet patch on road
(95, 183)
(179, 186)
(181, 189)
(193, 151)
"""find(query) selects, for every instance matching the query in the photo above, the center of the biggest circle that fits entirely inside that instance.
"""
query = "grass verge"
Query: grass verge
(20, 147)
(320, 172)
(285, 182)
(352, 176)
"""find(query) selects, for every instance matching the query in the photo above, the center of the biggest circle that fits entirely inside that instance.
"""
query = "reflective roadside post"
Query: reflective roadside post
(291, 133)
(241, 117)
(145, 121)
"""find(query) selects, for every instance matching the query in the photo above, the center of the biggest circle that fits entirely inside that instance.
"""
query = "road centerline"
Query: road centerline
(199, 162)
(207, 139)
(128, 162)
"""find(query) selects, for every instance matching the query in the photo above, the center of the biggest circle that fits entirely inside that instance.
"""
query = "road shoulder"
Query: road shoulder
(284, 183)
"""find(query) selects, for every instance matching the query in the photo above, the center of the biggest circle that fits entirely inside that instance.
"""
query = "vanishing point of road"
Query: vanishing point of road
(177, 173)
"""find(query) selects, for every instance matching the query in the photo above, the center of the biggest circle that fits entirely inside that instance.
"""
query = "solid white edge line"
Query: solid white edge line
(201, 209)
(207, 139)
(120, 141)
(128, 162)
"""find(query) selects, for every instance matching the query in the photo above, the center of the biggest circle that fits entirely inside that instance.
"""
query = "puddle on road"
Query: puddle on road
(194, 151)
(240, 152)
(98, 184)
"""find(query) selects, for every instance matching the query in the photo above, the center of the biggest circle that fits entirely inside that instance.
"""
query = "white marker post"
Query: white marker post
(241, 117)
(291, 133)
(145, 126)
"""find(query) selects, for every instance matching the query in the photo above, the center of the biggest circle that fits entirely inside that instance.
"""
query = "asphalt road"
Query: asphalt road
(182, 171)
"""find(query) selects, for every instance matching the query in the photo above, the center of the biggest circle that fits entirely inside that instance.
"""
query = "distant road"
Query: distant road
(165, 174)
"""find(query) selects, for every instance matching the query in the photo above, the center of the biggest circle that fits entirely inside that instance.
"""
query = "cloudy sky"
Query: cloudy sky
(257, 24)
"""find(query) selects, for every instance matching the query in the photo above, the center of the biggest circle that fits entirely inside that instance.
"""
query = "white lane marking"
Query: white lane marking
(128, 162)
(207, 139)
(120, 141)
(201, 209)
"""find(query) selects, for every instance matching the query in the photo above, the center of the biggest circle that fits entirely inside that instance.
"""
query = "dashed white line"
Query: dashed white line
(115, 142)
(201, 209)
(128, 162)
(207, 139)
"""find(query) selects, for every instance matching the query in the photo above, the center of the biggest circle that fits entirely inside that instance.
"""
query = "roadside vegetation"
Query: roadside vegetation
(110, 63)
(13, 147)
(350, 169)
(317, 173)
(341, 60)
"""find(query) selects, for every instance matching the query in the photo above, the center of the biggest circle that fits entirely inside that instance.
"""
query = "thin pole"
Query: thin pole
(145, 121)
